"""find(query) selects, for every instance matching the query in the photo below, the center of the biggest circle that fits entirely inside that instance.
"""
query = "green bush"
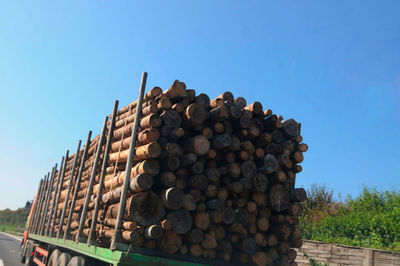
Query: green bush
(370, 220)
(13, 221)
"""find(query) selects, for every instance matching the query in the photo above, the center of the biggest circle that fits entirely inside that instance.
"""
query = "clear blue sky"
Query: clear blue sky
(333, 66)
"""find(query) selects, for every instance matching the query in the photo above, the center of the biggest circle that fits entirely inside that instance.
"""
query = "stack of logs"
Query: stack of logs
(210, 178)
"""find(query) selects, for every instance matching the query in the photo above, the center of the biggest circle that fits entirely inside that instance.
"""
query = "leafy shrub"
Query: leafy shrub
(13, 220)
(370, 220)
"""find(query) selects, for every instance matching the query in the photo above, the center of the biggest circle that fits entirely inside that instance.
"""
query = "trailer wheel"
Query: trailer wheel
(54, 257)
(29, 261)
(63, 259)
(22, 249)
(77, 261)
(28, 254)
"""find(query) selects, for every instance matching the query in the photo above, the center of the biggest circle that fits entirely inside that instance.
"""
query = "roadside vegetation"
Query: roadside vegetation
(13, 221)
(370, 220)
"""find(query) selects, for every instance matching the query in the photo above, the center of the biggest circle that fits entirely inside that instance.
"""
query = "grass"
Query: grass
(12, 229)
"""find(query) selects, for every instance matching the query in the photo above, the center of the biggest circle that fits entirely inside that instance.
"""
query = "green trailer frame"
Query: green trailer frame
(116, 257)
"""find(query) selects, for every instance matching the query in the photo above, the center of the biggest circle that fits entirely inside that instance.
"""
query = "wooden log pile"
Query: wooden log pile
(211, 179)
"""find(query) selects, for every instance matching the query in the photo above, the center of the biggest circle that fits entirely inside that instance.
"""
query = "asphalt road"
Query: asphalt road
(9, 248)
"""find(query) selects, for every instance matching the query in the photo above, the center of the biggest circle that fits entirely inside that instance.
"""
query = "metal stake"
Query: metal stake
(55, 194)
(117, 233)
(35, 207)
(77, 183)
(69, 189)
(91, 181)
(103, 173)
(46, 205)
(53, 219)
(43, 193)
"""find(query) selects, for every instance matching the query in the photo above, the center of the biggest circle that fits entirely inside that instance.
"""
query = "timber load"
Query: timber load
(208, 178)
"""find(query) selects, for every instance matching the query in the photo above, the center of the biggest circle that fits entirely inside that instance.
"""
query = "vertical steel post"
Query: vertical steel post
(53, 219)
(55, 194)
(91, 181)
(38, 206)
(69, 189)
(77, 184)
(43, 193)
(46, 205)
(117, 233)
(34, 217)
(103, 173)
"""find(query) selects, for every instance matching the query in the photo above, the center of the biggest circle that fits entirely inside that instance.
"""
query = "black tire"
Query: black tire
(28, 254)
(63, 259)
(54, 257)
(29, 261)
(22, 249)
(77, 261)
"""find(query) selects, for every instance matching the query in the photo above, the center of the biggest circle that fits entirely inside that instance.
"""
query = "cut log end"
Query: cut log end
(181, 221)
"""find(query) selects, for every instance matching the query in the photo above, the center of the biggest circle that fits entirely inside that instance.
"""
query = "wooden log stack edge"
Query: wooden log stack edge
(212, 179)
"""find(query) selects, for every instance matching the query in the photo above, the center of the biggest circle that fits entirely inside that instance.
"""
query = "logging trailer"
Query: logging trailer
(99, 208)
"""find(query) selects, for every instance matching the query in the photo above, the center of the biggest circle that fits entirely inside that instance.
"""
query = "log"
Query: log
(189, 203)
(216, 204)
(220, 113)
(260, 182)
(298, 157)
(219, 101)
(203, 100)
(270, 164)
(153, 232)
(298, 195)
(167, 179)
(144, 137)
(228, 215)
(279, 198)
(150, 121)
(242, 216)
(172, 198)
(263, 224)
(249, 245)
(255, 107)
(292, 254)
(172, 163)
(196, 250)
(291, 127)
(141, 183)
(221, 141)
(249, 169)
(202, 220)
(177, 90)
(171, 118)
(150, 167)
(154, 92)
(181, 221)
(240, 102)
(209, 241)
(294, 209)
(198, 181)
(244, 120)
(144, 208)
(302, 147)
(196, 113)
(148, 151)
(129, 226)
(195, 236)
(198, 145)
(262, 259)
